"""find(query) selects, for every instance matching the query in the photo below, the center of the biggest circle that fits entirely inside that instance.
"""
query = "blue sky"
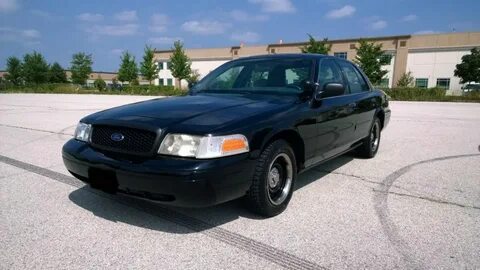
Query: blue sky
(105, 28)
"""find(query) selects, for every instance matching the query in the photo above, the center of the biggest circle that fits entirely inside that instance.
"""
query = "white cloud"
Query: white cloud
(164, 40)
(159, 23)
(424, 32)
(275, 6)
(24, 36)
(113, 30)
(242, 16)
(8, 5)
(117, 51)
(378, 25)
(410, 18)
(250, 37)
(90, 17)
(30, 33)
(126, 16)
(341, 12)
(205, 27)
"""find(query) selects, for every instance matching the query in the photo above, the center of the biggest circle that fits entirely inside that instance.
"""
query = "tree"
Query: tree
(370, 57)
(469, 69)
(57, 74)
(194, 77)
(14, 71)
(81, 67)
(314, 46)
(406, 80)
(180, 64)
(128, 71)
(148, 68)
(100, 84)
(35, 69)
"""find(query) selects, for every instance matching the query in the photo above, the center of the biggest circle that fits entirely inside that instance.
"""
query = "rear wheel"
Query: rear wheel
(272, 185)
(371, 143)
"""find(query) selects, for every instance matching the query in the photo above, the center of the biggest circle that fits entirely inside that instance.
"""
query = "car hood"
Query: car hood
(202, 113)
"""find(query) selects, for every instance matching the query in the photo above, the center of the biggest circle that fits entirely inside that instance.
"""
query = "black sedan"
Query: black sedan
(245, 130)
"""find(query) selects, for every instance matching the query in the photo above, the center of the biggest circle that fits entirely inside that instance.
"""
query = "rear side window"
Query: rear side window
(355, 80)
(329, 73)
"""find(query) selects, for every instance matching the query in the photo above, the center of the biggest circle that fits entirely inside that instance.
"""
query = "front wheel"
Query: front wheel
(272, 184)
(371, 143)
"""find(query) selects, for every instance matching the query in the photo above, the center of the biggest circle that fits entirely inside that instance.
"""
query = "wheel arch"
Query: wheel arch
(293, 138)
(381, 115)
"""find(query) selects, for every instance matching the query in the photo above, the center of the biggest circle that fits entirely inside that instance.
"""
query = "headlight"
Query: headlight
(83, 132)
(203, 147)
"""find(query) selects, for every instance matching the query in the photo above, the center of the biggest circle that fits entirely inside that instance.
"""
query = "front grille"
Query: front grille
(135, 141)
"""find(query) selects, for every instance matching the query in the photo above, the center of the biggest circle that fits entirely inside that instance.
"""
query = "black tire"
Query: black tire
(371, 143)
(273, 181)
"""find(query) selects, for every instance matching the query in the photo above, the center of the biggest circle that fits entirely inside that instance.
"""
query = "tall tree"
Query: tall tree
(314, 46)
(128, 71)
(81, 67)
(57, 74)
(193, 78)
(469, 69)
(148, 68)
(370, 57)
(35, 69)
(14, 71)
(180, 64)
(406, 80)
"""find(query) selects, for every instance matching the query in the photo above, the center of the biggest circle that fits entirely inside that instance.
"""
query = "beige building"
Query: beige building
(430, 58)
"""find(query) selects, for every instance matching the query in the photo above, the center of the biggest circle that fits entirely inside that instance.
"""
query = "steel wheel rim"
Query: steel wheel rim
(375, 136)
(279, 179)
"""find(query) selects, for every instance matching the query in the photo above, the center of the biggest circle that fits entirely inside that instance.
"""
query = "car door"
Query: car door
(363, 101)
(334, 119)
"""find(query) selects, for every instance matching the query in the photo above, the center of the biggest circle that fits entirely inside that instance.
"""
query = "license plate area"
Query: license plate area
(105, 180)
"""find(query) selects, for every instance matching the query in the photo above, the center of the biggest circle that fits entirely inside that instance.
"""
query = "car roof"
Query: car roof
(286, 56)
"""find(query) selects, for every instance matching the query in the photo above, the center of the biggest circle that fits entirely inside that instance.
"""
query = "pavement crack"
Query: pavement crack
(267, 252)
(434, 200)
(61, 132)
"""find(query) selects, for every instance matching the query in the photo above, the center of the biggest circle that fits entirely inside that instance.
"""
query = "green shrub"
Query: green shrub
(67, 88)
(100, 84)
(431, 94)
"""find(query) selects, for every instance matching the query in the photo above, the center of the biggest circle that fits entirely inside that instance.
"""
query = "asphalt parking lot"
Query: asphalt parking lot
(416, 205)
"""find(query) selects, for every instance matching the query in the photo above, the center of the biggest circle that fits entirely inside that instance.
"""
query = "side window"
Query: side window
(355, 80)
(329, 73)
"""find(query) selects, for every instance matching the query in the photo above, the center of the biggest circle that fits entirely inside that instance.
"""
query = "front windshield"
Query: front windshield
(286, 75)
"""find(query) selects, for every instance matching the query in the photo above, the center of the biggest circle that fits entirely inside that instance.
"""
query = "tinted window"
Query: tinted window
(278, 75)
(355, 80)
(329, 73)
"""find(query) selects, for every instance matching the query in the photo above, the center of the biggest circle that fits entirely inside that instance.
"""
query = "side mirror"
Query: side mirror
(329, 90)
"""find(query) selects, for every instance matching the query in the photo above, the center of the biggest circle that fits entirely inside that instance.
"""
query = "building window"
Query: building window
(385, 83)
(161, 82)
(169, 82)
(352, 46)
(169, 65)
(387, 58)
(443, 83)
(272, 51)
(403, 43)
(160, 65)
(235, 52)
(342, 55)
(421, 83)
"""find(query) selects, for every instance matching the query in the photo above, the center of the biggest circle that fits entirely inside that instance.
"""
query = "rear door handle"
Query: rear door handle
(352, 105)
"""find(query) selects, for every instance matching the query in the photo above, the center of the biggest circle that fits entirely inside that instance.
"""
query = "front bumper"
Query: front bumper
(170, 180)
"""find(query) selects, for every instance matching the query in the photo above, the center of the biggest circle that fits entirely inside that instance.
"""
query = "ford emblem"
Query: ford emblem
(117, 137)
